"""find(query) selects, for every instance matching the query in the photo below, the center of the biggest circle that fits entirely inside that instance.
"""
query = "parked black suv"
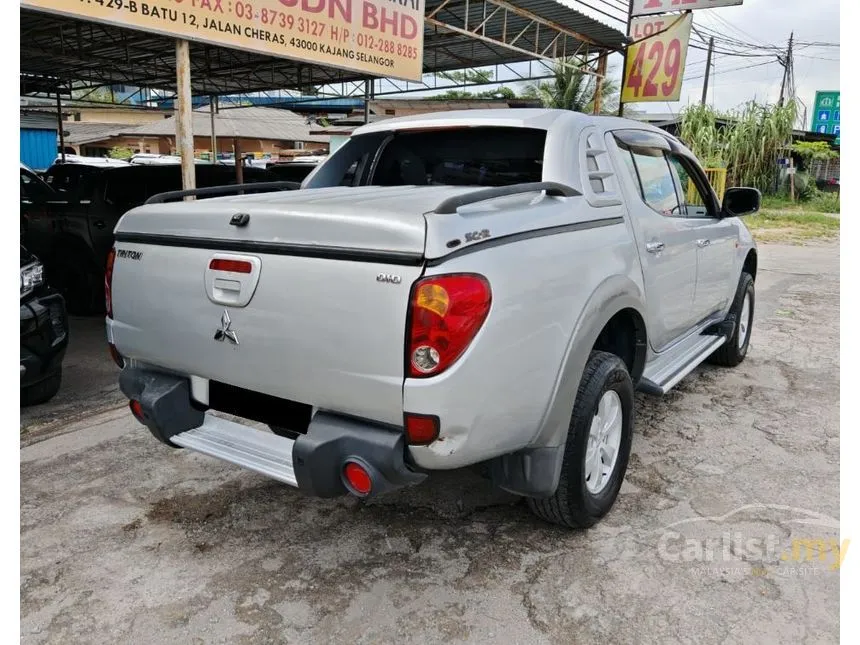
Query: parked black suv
(74, 230)
(44, 334)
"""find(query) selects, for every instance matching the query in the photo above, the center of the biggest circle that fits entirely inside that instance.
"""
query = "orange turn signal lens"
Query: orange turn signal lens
(432, 297)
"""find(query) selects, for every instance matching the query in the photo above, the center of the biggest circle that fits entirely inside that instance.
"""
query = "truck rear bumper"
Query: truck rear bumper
(314, 462)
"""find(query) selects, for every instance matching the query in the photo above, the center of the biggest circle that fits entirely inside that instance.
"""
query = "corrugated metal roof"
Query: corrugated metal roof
(38, 121)
(244, 123)
(81, 132)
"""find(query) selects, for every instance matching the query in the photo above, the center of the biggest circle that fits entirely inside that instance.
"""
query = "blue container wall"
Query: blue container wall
(38, 148)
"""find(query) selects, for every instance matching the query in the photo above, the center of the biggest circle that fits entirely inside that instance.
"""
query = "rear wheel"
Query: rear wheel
(734, 350)
(597, 448)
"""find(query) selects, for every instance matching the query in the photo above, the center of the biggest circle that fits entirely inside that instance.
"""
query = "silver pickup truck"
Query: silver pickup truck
(479, 288)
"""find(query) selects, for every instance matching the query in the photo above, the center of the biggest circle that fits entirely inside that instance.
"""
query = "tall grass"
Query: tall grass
(748, 144)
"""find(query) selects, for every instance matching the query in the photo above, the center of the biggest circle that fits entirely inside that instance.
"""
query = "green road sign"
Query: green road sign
(825, 116)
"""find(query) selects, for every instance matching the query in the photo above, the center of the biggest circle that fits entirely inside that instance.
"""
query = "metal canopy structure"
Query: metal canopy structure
(58, 53)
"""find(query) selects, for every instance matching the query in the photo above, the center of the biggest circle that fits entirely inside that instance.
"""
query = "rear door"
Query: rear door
(666, 242)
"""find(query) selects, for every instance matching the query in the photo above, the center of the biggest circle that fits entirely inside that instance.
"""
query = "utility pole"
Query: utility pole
(624, 66)
(789, 65)
(707, 71)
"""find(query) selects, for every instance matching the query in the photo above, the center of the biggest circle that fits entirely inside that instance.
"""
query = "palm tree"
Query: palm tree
(573, 89)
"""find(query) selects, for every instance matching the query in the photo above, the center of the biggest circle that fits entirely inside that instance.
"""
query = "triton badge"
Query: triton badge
(225, 331)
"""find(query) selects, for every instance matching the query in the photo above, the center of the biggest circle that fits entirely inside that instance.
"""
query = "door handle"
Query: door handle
(703, 243)
(654, 247)
(99, 223)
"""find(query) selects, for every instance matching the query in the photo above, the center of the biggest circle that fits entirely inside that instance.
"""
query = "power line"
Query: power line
(734, 69)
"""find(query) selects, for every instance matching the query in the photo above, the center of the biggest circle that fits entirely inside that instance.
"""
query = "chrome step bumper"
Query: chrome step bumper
(257, 450)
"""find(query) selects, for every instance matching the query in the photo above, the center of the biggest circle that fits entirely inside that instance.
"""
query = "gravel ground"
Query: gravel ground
(126, 541)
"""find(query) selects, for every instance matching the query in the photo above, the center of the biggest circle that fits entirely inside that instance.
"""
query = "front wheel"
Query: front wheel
(734, 350)
(597, 448)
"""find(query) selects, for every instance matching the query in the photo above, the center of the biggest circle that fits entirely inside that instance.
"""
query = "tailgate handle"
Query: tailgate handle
(240, 219)
(231, 279)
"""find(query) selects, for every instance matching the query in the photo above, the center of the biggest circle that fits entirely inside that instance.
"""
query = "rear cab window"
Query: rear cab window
(474, 156)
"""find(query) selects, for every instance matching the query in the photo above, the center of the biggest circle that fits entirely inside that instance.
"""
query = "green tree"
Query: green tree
(811, 151)
(573, 89)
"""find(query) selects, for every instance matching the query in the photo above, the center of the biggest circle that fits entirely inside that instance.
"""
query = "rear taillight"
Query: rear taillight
(108, 280)
(445, 313)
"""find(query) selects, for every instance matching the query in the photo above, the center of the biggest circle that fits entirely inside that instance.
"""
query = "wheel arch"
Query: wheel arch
(751, 263)
(616, 301)
(535, 471)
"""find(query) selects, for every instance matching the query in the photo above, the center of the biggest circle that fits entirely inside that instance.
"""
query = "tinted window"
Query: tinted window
(124, 189)
(457, 157)
(290, 172)
(693, 200)
(656, 182)
(33, 188)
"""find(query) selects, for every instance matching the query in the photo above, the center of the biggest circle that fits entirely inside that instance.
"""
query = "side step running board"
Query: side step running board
(262, 452)
(666, 372)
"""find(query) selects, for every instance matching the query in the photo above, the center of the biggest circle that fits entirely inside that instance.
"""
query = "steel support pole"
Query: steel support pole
(184, 128)
(60, 126)
(598, 90)
(213, 110)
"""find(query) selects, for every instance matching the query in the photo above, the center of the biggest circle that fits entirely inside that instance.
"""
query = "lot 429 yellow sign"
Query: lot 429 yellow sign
(655, 61)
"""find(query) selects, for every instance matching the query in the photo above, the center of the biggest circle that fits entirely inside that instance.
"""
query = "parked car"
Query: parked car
(488, 289)
(89, 161)
(76, 232)
(292, 170)
(44, 334)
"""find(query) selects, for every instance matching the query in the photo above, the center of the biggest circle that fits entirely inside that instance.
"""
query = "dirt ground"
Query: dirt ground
(124, 540)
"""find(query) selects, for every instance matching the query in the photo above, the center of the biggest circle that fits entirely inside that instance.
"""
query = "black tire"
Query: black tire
(573, 505)
(732, 352)
(43, 391)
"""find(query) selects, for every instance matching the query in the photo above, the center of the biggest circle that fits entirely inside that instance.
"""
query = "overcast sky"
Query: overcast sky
(764, 21)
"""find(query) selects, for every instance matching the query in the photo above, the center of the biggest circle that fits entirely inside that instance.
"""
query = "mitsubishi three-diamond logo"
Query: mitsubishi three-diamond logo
(225, 331)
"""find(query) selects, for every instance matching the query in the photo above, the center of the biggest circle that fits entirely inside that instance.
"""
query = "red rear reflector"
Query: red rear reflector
(136, 410)
(233, 266)
(108, 282)
(357, 477)
(445, 313)
(421, 429)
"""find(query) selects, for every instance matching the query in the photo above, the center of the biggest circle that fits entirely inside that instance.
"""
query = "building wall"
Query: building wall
(38, 147)
(115, 115)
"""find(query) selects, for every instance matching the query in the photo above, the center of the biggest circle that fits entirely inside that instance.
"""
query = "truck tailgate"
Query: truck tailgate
(315, 323)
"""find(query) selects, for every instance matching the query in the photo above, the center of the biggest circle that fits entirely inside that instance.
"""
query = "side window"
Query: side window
(694, 202)
(656, 182)
(32, 187)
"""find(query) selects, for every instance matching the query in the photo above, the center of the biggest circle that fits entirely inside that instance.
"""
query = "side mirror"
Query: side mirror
(738, 202)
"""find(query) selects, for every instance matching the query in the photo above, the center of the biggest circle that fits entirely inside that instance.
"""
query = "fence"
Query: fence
(717, 179)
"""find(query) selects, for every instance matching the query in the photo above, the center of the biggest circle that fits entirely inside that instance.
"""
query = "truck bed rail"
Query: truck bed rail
(219, 191)
(552, 188)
